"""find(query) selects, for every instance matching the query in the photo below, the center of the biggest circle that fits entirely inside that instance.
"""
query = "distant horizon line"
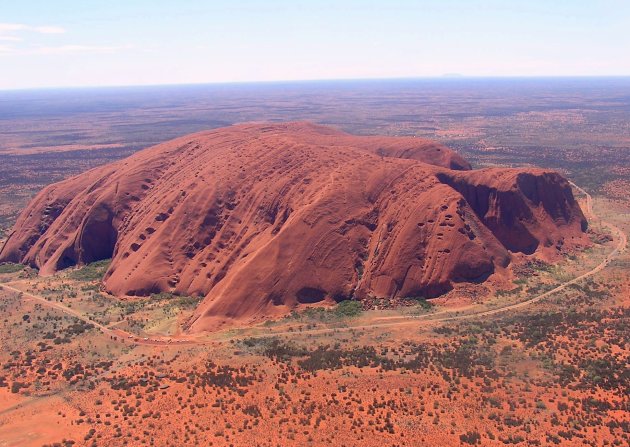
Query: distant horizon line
(445, 77)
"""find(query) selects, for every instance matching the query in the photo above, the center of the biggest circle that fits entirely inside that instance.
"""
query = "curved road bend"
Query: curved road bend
(622, 244)
(122, 335)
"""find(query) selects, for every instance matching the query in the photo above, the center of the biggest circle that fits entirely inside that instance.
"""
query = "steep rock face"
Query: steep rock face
(261, 218)
(522, 209)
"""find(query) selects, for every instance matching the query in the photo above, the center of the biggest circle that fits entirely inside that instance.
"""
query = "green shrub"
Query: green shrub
(91, 272)
(421, 301)
(471, 437)
(9, 267)
(186, 302)
(348, 308)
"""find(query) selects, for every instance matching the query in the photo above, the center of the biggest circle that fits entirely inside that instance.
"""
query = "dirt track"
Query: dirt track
(124, 337)
(118, 333)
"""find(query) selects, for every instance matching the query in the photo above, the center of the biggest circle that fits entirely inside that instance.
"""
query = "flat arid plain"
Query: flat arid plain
(530, 352)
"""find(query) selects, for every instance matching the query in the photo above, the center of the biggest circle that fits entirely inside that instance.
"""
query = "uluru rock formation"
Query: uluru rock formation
(259, 218)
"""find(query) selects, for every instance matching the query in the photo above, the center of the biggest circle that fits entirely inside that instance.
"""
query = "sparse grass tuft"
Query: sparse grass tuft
(9, 267)
(91, 272)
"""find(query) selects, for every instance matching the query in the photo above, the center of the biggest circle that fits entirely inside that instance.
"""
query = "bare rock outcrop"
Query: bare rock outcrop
(261, 218)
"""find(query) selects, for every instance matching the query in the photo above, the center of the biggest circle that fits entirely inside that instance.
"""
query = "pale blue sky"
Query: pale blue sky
(50, 43)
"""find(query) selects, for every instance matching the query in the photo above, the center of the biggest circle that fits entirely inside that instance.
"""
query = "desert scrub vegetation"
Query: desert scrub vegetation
(468, 357)
(348, 308)
(343, 310)
(91, 272)
(73, 330)
(132, 306)
(470, 437)
(582, 348)
(176, 301)
(420, 303)
(9, 267)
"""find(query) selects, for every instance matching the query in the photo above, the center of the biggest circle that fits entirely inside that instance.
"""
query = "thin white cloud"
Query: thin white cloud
(4, 49)
(12, 32)
(49, 29)
(62, 50)
(74, 49)
(10, 28)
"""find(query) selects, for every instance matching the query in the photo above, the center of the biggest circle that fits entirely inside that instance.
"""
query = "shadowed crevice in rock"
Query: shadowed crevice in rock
(98, 237)
(310, 295)
(505, 205)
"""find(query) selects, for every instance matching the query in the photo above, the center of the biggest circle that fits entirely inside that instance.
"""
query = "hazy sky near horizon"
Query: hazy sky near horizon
(63, 43)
